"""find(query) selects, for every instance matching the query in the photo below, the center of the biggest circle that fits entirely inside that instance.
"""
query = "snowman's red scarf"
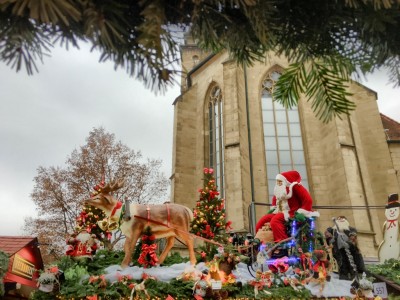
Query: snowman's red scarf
(391, 223)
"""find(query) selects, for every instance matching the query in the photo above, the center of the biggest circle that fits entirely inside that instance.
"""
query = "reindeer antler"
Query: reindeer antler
(113, 186)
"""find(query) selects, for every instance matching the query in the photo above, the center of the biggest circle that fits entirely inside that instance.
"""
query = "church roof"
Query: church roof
(392, 128)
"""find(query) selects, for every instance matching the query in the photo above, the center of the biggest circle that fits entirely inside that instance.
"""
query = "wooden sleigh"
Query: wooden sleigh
(262, 251)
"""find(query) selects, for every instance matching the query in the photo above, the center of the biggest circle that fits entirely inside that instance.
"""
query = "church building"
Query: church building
(225, 119)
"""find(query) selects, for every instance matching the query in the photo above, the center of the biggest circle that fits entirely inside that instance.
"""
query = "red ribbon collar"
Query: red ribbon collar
(117, 206)
(392, 223)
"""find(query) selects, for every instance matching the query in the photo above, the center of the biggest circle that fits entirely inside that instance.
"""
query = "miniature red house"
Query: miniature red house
(25, 260)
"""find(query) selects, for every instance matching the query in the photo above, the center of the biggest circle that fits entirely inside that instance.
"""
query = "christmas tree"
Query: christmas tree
(94, 221)
(209, 214)
(87, 220)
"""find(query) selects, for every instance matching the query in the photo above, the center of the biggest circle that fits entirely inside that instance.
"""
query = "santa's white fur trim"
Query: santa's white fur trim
(307, 213)
(283, 179)
(289, 195)
(286, 215)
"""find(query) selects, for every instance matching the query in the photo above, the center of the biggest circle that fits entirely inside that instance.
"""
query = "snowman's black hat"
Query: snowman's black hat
(393, 201)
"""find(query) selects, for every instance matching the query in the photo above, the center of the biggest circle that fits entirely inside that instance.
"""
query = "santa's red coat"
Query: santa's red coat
(300, 201)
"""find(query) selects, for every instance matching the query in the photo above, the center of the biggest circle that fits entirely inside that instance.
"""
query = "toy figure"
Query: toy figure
(81, 245)
(390, 246)
(343, 239)
(321, 268)
(291, 199)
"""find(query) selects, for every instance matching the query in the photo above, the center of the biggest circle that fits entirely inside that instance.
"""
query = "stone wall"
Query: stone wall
(348, 159)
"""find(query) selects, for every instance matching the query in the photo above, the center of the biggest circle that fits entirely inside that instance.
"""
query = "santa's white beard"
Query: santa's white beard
(280, 192)
(84, 237)
(342, 225)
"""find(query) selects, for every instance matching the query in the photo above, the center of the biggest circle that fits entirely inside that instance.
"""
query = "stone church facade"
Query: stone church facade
(225, 119)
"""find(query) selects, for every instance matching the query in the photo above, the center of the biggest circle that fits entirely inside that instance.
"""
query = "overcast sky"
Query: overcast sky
(45, 116)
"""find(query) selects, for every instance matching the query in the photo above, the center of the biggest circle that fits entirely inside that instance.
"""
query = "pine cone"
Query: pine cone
(209, 293)
(217, 295)
(226, 267)
(224, 294)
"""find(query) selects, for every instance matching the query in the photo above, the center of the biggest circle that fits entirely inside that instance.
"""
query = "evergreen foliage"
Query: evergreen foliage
(329, 40)
(83, 280)
(306, 235)
(3, 269)
(175, 258)
(209, 214)
(390, 269)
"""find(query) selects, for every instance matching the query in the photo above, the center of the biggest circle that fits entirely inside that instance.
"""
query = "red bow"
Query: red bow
(148, 257)
(392, 223)
(148, 237)
(148, 248)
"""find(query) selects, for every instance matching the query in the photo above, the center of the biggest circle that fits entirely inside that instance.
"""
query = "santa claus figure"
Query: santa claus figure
(343, 238)
(81, 245)
(291, 199)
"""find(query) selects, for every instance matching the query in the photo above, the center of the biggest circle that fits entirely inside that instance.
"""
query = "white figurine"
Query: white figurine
(390, 246)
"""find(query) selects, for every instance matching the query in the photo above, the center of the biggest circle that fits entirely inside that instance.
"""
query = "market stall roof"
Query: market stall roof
(12, 244)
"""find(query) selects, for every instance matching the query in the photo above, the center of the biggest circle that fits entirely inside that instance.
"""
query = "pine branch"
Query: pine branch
(327, 92)
(290, 85)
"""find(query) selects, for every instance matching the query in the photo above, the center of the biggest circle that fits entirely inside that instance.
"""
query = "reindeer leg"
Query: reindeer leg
(129, 246)
(128, 249)
(192, 256)
(190, 245)
(168, 246)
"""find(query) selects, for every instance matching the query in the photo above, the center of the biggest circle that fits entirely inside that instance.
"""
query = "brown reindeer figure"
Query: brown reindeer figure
(165, 220)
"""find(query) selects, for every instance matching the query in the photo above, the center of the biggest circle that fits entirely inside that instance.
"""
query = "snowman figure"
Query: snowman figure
(390, 246)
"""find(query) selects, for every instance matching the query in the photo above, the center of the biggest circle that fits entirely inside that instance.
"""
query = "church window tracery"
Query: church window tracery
(216, 136)
(282, 135)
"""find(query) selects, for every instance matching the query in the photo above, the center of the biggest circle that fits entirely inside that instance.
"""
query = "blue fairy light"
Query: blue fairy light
(289, 260)
(292, 242)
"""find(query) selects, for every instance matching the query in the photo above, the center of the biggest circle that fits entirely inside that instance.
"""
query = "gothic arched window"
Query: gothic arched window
(216, 136)
(282, 135)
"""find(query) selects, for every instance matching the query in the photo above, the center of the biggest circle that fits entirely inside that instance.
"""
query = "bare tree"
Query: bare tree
(59, 191)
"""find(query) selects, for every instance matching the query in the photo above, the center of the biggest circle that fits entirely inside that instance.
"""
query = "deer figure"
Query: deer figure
(165, 220)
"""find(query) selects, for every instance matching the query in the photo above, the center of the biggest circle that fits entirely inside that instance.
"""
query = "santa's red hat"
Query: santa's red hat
(289, 177)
